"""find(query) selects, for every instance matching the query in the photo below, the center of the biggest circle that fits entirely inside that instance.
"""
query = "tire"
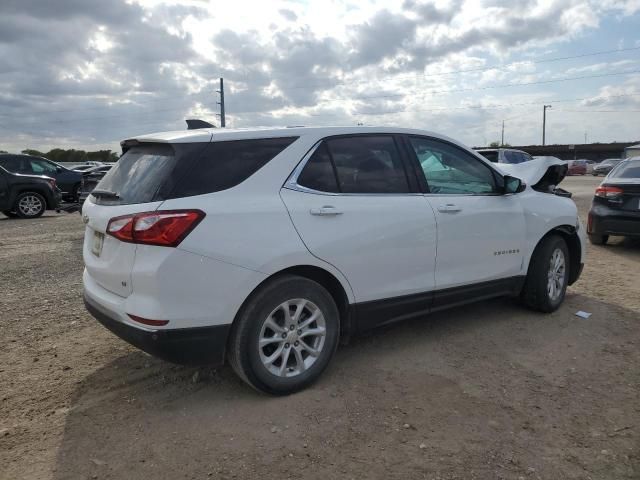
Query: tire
(262, 318)
(30, 205)
(538, 293)
(10, 214)
(598, 239)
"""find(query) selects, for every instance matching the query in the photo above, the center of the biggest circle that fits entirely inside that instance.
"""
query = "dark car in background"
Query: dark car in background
(616, 205)
(605, 166)
(67, 180)
(90, 179)
(27, 196)
(505, 155)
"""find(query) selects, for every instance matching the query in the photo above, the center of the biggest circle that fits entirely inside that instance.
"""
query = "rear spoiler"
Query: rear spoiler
(194, 124)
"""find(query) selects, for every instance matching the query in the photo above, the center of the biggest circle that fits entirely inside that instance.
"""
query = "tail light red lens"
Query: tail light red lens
(608, 192)
(164, 228)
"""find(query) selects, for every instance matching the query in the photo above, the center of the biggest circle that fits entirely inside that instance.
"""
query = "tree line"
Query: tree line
(72, 155)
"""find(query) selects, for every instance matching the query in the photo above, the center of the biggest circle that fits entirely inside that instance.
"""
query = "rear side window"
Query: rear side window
(155, 172)
(223, 165)
(368, 164)
(15, 164)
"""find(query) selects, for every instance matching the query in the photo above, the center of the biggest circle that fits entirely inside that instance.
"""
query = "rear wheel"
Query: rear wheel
(598, 239)
(548, 275)
(30, 205)
(285, 335)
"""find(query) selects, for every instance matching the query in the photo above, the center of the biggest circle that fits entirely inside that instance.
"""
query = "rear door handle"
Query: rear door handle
(449, 208)
(326, 211)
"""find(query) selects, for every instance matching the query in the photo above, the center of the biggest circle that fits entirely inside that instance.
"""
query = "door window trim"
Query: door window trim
(413, 158)
(292, 182)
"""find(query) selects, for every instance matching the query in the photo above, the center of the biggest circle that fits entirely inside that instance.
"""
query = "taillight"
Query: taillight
(610, 193)
(147, 321)
(165, 228)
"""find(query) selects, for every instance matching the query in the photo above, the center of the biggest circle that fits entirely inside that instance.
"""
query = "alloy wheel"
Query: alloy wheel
(556, 274)
(292, 337)
(30, 205)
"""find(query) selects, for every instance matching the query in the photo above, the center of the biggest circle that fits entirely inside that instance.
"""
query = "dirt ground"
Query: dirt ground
(489, 391)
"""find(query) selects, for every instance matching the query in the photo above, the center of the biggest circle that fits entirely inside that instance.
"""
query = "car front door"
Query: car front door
(356, 206)
(480, 230)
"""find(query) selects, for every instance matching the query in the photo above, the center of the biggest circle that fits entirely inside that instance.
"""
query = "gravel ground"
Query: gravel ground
(487, 391)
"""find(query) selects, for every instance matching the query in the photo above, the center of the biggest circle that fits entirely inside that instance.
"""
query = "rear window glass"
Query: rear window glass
(627, 170)
(137, 176)
(155, 172)
(491, 156)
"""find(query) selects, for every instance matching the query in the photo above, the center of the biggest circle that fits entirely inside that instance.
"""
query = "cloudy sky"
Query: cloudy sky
(87, 74)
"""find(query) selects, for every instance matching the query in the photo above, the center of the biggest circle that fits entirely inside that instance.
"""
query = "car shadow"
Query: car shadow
(458, 382)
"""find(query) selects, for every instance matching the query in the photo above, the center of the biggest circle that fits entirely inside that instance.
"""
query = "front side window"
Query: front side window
(368, 164)
(450, 170)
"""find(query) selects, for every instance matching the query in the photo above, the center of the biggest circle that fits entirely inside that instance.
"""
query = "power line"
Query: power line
(476, 69)
(506, 85)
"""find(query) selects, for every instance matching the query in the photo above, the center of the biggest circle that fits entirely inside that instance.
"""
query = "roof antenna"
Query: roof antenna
(194, 124)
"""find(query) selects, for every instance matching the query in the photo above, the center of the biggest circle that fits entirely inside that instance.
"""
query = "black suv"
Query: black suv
(27, 196)
(68, 181)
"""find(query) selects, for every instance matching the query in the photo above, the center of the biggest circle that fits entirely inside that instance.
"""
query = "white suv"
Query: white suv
(265, 247)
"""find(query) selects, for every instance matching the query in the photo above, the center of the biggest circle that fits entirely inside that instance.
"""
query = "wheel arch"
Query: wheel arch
(570, 236)
(325, 278)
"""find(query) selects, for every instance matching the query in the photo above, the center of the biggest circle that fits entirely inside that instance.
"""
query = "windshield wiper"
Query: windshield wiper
(105, 193)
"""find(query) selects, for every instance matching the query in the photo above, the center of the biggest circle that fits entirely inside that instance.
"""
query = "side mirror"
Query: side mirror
(513, 185)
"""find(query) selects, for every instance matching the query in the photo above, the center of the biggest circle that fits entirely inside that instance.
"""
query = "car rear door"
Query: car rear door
(480, 231)
(356, 206)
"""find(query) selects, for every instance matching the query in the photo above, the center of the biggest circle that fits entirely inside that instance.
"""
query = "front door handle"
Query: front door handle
(449, 208)
(326, 211)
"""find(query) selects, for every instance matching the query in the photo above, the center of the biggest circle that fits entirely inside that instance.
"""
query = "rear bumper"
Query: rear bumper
(187, 346)
(607, 221)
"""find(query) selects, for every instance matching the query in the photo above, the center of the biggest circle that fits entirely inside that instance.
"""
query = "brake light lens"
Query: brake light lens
(164, 228)
(608, 192)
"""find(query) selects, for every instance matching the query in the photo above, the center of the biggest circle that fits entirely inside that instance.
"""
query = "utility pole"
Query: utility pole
(223, 122)
(544, 121)
(502, 141)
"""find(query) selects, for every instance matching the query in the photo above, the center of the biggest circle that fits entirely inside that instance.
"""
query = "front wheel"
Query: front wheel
(285, 335)
(548, 275)
(30, 205)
